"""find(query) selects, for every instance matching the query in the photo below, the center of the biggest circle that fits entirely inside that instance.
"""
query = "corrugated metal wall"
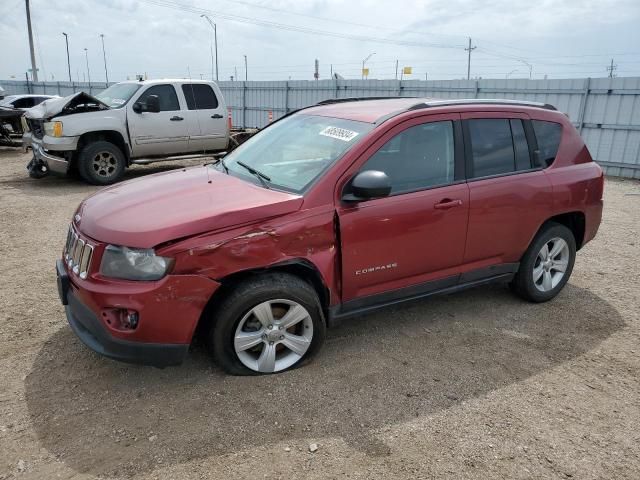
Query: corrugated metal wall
(605, 110)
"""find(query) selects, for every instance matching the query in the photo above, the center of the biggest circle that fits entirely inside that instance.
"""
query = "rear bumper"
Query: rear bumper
(84, 317)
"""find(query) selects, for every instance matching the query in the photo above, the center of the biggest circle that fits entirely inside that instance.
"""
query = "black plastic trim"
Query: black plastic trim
(494, 273)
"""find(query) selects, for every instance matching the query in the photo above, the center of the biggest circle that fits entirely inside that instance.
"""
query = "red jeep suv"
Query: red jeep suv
(333, 210)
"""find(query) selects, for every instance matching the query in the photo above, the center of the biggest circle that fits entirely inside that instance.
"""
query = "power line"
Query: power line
(295, 28)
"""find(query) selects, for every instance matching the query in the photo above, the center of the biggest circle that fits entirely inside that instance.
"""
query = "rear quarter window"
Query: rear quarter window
(548, 135)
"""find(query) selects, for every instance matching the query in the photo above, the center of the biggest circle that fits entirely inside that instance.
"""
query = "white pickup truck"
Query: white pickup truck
(128, 123)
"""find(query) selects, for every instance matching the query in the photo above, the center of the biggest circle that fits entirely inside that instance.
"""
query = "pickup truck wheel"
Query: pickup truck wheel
(267, 325)
(101, 163)
(547, 264)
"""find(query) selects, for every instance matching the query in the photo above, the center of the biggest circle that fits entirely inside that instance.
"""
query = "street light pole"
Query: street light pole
(104, 56)
(528, 66)
(34, 69)
(86, 56)
(365, 61)
(246, 74)
(215, 39)
(66, 39)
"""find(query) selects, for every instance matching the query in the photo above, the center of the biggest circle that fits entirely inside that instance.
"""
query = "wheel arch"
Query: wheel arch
(111, 136)
(298, 267)
(574, 221)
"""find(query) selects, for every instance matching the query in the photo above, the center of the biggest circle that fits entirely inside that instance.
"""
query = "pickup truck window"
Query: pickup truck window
(116, 96)
(199, 96)
(166, 95)
(420, 157)
(296, 150)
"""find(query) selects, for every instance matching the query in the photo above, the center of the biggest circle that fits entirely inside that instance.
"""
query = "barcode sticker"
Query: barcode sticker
(339, 133)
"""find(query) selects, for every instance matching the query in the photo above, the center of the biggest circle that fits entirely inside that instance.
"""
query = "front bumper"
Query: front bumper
(42, 146)
(92, 331)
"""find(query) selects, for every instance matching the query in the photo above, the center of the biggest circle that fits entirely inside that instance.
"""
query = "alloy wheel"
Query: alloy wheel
(273, 335)
(551, 264)
(104, 164)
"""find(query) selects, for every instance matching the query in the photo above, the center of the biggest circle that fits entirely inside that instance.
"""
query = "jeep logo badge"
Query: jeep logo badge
(77, 218)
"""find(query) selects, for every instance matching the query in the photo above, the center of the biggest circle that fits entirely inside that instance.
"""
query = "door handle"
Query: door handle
(176, 118)
(217, 115)
(447, 204)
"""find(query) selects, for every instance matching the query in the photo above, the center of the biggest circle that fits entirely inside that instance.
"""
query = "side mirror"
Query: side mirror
(153, 104)
(367, 185)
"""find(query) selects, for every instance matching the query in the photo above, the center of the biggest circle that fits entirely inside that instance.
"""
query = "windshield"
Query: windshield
(292, 153)
(117, 95)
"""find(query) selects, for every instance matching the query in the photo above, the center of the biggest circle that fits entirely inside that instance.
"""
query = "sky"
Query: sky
(282, 38)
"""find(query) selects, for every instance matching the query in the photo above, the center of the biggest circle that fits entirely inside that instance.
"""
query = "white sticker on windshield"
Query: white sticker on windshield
(339, 133)
(117, 101)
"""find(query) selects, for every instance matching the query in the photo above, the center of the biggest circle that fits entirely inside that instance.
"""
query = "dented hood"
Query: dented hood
(147, 212)
(66, 105)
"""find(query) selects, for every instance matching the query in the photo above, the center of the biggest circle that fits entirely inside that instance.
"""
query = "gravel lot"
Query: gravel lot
(473, 385)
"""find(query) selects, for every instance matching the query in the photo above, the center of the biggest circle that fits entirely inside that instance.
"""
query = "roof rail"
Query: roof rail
(483, 101)
(356, 99)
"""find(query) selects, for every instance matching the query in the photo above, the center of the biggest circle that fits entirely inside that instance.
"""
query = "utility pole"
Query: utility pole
(34, 70)
(104, 56)
(396, 69)
(246, 74)
(215, 39)
(86, 56)
(612, 68)
(66, 39)
(469, 49)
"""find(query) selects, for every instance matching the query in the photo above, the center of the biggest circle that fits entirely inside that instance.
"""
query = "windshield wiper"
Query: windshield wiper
(224, 166)
(261, 176)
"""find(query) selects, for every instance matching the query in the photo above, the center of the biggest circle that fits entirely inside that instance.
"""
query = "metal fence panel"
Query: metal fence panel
(606, 111)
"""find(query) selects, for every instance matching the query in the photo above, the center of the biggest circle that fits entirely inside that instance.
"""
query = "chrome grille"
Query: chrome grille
(77, 254)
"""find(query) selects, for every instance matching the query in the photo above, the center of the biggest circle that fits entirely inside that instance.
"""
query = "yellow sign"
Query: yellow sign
(365, 72)
(406, 70)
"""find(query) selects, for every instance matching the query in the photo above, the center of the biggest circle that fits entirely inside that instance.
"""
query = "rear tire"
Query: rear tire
(250, 333)
(101, 163)
(547, 264)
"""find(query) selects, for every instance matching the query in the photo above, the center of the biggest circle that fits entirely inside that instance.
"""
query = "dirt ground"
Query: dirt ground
(474, 385)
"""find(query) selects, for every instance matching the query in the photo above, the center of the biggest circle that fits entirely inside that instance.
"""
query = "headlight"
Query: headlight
(53, 129)
(133, 263)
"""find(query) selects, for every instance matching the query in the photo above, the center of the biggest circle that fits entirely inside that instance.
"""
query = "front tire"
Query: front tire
(267, 325)
(547, 264)
(101, 163)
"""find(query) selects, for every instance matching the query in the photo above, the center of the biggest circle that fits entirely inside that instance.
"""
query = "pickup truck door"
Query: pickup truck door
(412, 241)
(158, 133)
(207, 122)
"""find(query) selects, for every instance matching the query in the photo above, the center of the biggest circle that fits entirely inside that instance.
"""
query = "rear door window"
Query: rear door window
(491, 147)
(200, 96)
(548, 135)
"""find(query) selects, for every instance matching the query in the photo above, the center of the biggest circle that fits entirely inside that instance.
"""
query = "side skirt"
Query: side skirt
(495, 273)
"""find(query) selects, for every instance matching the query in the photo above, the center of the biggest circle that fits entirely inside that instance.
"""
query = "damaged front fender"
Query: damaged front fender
(308, 236)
